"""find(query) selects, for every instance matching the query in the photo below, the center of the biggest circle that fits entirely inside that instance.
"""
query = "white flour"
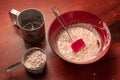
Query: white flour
(79, 31)
(35, 60)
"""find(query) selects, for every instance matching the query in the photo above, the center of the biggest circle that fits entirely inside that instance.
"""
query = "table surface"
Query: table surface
(12, 46)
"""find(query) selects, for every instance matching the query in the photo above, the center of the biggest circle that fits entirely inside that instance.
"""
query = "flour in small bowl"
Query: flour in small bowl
(83, 31)
(35, 60)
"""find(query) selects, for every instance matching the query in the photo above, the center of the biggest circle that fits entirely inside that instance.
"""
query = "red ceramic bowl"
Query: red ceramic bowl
(80, 17)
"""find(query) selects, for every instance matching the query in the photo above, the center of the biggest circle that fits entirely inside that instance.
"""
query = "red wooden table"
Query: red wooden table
(12, 46)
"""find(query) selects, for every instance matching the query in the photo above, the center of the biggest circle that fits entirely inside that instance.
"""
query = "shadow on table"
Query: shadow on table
(115, 31)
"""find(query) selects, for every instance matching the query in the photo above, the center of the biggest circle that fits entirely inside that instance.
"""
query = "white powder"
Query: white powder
(35, 60)
(79, 31)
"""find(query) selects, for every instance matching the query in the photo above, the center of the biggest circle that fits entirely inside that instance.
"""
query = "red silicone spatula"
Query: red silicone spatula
(57, 14)
(78, 45)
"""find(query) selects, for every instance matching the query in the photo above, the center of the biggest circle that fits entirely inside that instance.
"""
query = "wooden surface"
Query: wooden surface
(12, 45)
